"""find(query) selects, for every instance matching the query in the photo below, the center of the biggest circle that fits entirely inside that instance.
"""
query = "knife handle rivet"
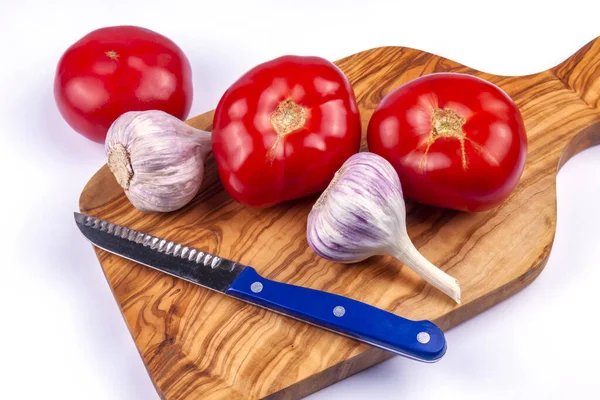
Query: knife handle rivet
(339, 311)
(256, 287)
(423, 337)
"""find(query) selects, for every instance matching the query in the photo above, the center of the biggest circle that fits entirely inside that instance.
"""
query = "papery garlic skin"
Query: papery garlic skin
(157, 159)
(341, 224)
(362, 213)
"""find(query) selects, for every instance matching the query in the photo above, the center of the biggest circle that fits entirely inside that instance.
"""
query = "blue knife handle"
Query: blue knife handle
(420, 340)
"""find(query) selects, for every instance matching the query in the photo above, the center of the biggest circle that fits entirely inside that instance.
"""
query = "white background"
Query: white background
(61, 333)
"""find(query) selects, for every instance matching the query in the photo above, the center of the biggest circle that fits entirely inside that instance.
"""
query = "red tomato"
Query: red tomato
(455, 140)
(118, 69)
(283, 129)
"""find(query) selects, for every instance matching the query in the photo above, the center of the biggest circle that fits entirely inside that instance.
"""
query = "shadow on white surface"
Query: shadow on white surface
(78, 293)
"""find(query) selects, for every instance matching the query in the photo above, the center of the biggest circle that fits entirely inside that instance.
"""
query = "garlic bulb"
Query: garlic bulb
(157, 159)
(362, 214)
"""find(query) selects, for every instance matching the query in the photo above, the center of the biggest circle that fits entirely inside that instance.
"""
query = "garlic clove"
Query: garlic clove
(362, 213)
(157, 159)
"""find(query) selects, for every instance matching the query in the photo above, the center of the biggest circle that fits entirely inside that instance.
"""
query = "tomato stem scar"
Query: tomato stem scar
(287, 118)
(113, 55)
(448, 124)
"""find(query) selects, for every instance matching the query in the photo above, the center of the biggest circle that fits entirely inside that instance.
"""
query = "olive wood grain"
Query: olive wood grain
(199, 344)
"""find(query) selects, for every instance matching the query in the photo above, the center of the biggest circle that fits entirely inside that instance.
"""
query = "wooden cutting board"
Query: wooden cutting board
(197, 344)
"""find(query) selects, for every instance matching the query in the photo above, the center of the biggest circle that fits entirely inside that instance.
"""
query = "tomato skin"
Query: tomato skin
(433, 167)
(117, 69)
(260, 168)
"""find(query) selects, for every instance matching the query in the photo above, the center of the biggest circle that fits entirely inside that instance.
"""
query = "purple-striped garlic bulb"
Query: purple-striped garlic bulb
(157, 159)
(362, 214)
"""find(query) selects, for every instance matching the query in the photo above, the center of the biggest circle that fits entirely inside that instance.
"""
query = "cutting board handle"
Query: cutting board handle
(585, 139)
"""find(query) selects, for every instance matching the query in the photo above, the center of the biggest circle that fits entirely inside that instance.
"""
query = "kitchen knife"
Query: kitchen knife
(419, 340)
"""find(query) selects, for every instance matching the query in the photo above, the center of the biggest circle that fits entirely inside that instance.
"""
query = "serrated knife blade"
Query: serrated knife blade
(419, 340)
(192, 265)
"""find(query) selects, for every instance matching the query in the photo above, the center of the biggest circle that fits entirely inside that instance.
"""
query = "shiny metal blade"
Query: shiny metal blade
(193, 265)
